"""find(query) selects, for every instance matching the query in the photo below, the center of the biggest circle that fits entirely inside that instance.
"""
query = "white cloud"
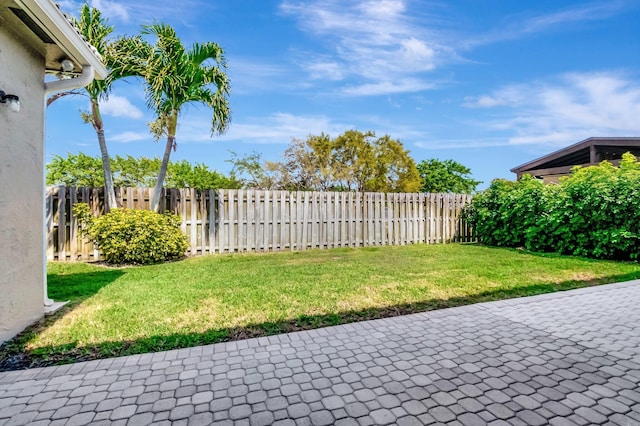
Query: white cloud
(281, 127)
(512, 95)
(417, 53)
(121, 11)
(330, 70)
(67, 4)
(377, 41)
(119, 106)
(483, 102)
(251, 76)
(463, 143)
(382, 8)
(585, 12)
(388, 87)
(111, 9)
(566, 110)
(130, 136)
(277, 128)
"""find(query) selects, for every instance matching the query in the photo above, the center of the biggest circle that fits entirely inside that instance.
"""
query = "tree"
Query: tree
(183, 174)
(308, 164)
(175, 76)
(84, 170)
(445, 176)
(353, 161)
(252, 173)
(395, 170)
(364, 162)
(135, 172)
(95, 30)
(75, 170)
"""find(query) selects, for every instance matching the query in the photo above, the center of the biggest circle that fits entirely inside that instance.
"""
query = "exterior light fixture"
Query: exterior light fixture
(12, 101)
(67, 65)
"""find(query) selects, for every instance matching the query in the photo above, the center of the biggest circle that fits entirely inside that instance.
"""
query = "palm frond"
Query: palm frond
(200, 53)
(175, 75)
(95, 29)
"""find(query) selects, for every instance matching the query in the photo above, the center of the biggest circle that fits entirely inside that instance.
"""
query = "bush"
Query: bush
(133, 236)
(594, 212)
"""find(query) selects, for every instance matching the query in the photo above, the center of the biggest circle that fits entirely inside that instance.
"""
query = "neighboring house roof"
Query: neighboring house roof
(585, 153)
(43, 26)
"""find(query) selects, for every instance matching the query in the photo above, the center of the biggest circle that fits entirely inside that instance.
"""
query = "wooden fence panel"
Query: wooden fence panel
(228, 221)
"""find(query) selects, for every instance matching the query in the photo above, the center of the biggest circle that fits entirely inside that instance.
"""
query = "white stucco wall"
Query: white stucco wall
(21, 187)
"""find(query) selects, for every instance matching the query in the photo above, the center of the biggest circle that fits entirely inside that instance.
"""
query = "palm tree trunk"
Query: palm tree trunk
(157, 190)
(109, 192)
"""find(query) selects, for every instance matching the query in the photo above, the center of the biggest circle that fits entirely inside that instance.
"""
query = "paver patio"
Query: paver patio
(570, 358)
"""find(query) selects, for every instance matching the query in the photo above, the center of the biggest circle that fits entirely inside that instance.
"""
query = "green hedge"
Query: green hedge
(134, 236)
(594, 212)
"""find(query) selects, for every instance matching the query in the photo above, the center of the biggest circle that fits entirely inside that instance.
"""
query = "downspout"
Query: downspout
(84, 79)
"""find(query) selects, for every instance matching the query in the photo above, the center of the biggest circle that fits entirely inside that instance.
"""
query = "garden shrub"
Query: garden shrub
(133, 236)
(507, 213)
(594, 212)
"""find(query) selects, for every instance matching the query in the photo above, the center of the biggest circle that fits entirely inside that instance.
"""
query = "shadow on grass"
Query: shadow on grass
(75, 288)
(80, 286)
(20, 358)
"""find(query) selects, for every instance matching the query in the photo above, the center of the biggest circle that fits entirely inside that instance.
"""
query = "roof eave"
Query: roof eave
(549, 157)
(586, 143)
(47, 15)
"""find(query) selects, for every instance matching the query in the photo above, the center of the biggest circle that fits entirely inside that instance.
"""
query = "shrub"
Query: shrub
(594, 212)
(133, 236)
(504, 214)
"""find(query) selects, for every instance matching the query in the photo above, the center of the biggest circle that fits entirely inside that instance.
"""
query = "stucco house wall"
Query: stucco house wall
(35, 37)
(21, 186)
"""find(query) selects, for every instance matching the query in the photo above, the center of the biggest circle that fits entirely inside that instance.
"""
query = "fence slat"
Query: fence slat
(62, 224)
(222, 221)
(283, 220)
(73, 226)
(223, 239)
(276, 221)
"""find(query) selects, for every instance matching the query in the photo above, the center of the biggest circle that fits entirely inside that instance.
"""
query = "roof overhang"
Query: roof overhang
(50, 19)
(587, 144)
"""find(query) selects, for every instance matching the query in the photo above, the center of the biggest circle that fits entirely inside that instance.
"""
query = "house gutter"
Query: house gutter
(48, 16)
(82, 80)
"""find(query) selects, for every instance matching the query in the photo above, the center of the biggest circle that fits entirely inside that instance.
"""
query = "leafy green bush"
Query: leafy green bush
(594, 212)
(133, 236)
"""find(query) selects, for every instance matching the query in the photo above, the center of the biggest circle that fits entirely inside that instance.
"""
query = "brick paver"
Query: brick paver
(570, 358)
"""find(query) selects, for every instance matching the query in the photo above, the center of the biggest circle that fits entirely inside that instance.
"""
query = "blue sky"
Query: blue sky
(491, 84)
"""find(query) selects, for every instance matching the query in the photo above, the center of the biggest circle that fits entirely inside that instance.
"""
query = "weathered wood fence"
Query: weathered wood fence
(227, 221)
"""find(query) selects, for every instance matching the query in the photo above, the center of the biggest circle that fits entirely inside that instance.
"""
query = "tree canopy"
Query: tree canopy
(353, 161)
(84, 170)
(445, 176)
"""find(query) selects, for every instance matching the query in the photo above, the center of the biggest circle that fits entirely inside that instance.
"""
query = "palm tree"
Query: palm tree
(95, 29)
(175, 76)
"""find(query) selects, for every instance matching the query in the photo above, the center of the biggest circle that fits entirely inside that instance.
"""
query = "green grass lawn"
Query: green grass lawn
(118, 311)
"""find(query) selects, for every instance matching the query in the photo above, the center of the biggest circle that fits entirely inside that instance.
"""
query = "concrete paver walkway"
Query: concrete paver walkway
(570, 358)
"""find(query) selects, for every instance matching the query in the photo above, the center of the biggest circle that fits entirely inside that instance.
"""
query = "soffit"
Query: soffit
(40, 25)
(579, 153)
